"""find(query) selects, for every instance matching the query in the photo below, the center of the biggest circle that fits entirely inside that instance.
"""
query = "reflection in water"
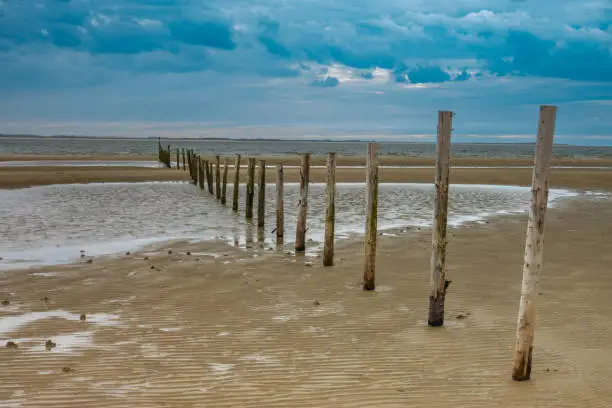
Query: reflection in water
(51, 224)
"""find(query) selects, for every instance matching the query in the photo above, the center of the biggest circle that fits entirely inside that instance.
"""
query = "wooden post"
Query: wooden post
(330, 210)
(300, 231)
(224, 187)
(236, 192)
(205, 172)
(280, 206)
(201, 172)
(218, 177)
(210, 177)
(250, 189)
(261, 194)
(438, 282)
(369, 268)
(189, 162)
(178, 158)
(184, 168)
(533, 245)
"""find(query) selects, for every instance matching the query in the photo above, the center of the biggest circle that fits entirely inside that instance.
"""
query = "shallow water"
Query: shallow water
(53, 224)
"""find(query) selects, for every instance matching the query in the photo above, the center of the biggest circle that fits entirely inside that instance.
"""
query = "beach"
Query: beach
(228, 320)
(223, 327)
(589, 173)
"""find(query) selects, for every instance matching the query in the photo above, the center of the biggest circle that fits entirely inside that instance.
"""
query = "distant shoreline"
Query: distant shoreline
(296, 140)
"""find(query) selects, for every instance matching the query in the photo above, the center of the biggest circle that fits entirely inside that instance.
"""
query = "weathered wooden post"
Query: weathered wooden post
(250, 189)
(438, 281)
(369, 269)
(218, 177)
(205, 172)
(209, 166)
(184, 168)
(224, 187)
(533, 245)
(236, 192)
(261, 194)
(178, 158)
(330, 210)
(189, 162)
(300, 233)
(280, 206)
(201, 172)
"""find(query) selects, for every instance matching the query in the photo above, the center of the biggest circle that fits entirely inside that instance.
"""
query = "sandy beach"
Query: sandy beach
(211, 324)
(225, 327)
(567, 173)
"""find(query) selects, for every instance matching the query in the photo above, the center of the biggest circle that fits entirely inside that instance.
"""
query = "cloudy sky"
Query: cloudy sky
(296, 68)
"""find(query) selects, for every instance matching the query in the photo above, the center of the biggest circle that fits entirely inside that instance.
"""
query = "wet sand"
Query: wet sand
(23, 176)
(341, 160)
(224, 327)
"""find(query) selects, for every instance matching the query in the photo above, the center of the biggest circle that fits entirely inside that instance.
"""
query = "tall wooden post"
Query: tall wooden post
(236, 192)
(250, 189)
(300, 231)
(184, 168)
(533, 245)
(261, 194)
(201, 172)
(280, 206)
(330, 210)
(218, 176)
(438, 282)
(205, 165)
(189, 163)
(209, 166)
(369, 268)
(224, 187)
(178, 158)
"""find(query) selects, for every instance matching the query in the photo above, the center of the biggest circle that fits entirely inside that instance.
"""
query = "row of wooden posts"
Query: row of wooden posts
(164, 155)
(201, 170)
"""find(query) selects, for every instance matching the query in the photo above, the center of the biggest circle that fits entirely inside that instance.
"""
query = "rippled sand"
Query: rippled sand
(225, 327)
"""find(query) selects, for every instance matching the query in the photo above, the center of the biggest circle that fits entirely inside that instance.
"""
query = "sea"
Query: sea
(18, 145)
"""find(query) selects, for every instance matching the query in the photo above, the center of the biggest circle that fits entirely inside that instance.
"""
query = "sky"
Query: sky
(371, 69)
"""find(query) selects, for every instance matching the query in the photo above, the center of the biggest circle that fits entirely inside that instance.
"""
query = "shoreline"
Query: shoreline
(578, 178)
(247, 233)
(340, 160)
(279, 328)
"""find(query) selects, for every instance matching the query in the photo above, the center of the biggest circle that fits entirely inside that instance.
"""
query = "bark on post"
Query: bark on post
(330, 210)
(438, 282)
(369, 267)
(218, 177)
(533, 245)
(189, 163)
(280, 206)
(209, 166)
(300, 231)
(250, 189)
(236, 192)
(224, 187)
(201, 172)
(261, 194)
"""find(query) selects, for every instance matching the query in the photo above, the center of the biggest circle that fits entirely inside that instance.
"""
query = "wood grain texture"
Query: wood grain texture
(369, 267)
(300, 232)
(438, 282)
(533, 245)
(330, 210)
